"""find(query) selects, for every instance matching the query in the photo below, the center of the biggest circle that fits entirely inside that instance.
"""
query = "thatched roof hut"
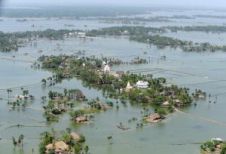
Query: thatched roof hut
(75, 136)
(81, 119)
(155, 117)
(59, 147)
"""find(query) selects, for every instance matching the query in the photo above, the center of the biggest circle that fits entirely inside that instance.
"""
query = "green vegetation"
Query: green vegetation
(59, 103)
(146, 35)
(18, 142)
(150, 35)
(188, 46)
(12, 41)
(8, 43)
(93, 106)
(199, 94)
(114, 86)
(125, 30)
(63, 142)
(207, 29)
(20, 102)
(213, 147)
(49, 34)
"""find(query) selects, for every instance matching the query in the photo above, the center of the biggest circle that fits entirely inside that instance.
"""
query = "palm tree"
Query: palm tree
(44, 81)
(65, 92)
(51, 81)
(20, 140)
(9, 91)
(25, 92)
(86, 149)
(14, 141)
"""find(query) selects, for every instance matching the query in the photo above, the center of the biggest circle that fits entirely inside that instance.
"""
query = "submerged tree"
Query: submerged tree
(9, 91)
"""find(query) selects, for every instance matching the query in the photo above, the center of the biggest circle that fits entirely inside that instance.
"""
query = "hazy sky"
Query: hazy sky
(191, 3)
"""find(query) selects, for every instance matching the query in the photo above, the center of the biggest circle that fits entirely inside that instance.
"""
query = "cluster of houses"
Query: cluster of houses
(23, 97)
(76, 34)
(60, 147)
(140, 84)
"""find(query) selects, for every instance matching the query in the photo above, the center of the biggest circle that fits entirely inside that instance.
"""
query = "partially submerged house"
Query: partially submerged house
(81, 34)
(76, 95)
(152, 118)
(81, 119)
(75, 136)
(58, 147)
(117, 74)
(22, 97)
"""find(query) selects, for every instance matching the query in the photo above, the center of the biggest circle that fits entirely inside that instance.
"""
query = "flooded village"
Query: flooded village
(124, 81)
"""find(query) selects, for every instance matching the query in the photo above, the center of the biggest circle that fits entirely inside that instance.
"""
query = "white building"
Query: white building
(21, 97)
(104, 63)
(107, 69)
(128, 87)
(216, 139)
(142, 84)
(81, 35)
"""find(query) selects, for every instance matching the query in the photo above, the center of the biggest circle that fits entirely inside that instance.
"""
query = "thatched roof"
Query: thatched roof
(155, 117)
(58, 146)
(166, 103)
(75, 136)
(81, 119)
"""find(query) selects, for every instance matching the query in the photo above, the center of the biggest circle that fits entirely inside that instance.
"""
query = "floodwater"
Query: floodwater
(175, 18)
(179, 133)
(199, 37)
(33, 24)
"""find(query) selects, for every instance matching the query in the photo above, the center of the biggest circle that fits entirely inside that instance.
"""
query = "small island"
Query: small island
(137, 89)
(214, 146)
(66, 142)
